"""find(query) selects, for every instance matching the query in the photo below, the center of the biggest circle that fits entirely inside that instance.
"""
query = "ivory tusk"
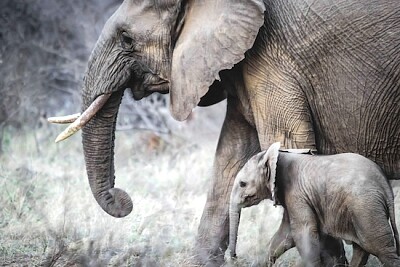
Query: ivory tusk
(64, 119)
(86, 116)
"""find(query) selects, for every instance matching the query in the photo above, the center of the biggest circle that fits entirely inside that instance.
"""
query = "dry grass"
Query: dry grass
(48, 216)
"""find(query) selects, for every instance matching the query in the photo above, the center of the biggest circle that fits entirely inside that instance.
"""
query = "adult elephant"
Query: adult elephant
(315, 74)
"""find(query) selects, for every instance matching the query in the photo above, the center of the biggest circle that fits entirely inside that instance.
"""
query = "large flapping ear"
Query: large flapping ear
(214, 37)
(267, 164)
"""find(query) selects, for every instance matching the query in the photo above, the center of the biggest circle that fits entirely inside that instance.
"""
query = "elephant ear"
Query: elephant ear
(267, 166)
(215, 36)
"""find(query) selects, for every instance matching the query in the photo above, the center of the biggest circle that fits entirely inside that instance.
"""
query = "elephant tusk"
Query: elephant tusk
(86, 116)
(64, 119)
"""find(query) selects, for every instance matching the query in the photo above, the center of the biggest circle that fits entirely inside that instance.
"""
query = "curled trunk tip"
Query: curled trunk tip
(117, 204)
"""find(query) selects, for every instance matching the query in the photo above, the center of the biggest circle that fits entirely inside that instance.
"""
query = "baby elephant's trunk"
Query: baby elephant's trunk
(394, 227)
(234, 218)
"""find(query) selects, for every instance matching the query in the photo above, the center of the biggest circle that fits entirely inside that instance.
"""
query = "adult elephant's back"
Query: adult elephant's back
(342, 60)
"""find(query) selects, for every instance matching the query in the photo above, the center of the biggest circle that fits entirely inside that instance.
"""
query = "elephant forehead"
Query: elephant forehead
(145, 17)
(249, 171)
(251, 165)
(160, 10)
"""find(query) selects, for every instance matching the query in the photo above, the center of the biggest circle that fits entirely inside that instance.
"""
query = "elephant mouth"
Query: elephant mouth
(140, 88)
(149, 84)
(251, 201)
(142, 92)
(160, 87)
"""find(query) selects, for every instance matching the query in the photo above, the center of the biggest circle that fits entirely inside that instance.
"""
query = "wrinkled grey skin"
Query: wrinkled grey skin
(311, 74)
(345, 196)
(331, 250)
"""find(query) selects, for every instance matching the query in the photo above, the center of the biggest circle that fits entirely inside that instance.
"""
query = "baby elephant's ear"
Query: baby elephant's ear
(268, 164)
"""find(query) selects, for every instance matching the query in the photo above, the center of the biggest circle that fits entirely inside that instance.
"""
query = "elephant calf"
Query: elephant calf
(345, 196)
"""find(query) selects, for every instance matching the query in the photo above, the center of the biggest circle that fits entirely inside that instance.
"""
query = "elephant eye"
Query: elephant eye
(242, 184)
(126, 41)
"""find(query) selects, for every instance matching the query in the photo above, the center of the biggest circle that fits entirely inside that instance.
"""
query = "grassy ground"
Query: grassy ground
(48, 216)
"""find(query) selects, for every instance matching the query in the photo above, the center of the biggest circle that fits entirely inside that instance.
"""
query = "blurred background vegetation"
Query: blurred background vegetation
(44, 47)
(48, 216)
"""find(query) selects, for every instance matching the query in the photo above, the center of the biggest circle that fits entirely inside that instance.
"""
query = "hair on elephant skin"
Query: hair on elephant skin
(345, 196)
(320, 75)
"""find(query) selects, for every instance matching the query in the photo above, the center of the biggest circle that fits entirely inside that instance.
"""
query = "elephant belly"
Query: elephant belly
(335, 213)
(341, 230)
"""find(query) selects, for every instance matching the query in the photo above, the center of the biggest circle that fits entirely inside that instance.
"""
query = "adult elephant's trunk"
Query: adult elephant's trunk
(98, 135)
(234, 218)
(98, 145)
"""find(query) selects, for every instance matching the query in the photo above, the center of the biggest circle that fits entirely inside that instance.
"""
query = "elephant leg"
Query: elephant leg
(390, 260)
(237, 144)
(387, 253)
(332, 251)
(360, 256)
(281, 241)
(306, 235)
(376, 236)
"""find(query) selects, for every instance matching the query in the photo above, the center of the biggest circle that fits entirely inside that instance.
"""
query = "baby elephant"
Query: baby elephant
(345, 196)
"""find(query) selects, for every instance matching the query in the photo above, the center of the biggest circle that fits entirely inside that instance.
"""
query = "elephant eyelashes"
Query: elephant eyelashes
(242, 184)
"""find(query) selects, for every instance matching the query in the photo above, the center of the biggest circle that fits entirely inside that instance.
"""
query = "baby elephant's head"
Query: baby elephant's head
(254, 182)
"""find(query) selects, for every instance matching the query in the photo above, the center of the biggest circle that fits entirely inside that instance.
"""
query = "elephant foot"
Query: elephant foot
(209, 260)
(212, 235)
(208, 257)
(333, 253)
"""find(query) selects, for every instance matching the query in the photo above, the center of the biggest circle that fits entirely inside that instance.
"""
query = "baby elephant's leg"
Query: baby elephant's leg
(360, 256)
(305, 234)
(281, 241)
(332, 251)
(389, 258)
(376, 236)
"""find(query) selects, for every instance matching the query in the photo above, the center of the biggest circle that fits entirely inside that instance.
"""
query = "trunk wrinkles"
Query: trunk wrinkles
(98, 143)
